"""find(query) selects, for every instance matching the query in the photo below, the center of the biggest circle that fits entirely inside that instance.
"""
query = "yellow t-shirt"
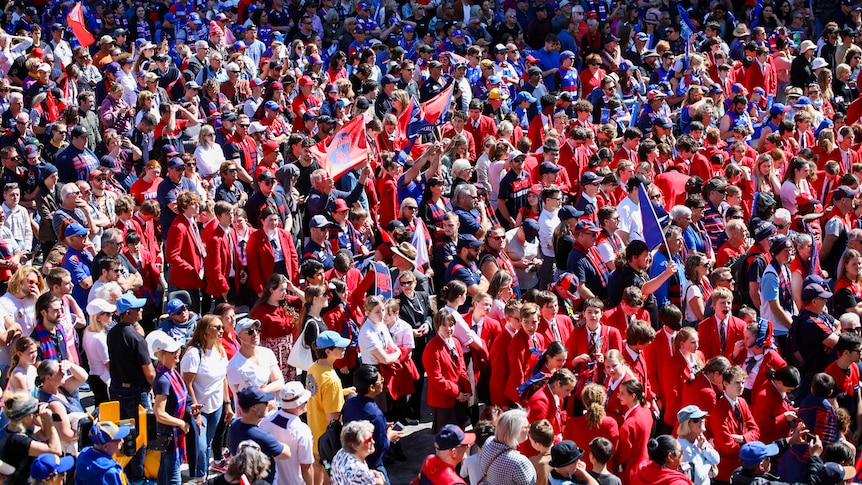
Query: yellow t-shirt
(327, 397)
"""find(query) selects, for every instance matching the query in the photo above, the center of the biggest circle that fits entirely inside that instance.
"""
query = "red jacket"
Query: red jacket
(564, 327)
(446, 378)
(499, 357)
(641, 372)
(615, 408)
(672, 185)
(623, 154)
(521, 362)
(491, 328)
(387, 190)
(261, 258)
(576, 430)
(764, 77)
(438, 472)
(220, 259)
(631, 454)
(579, 343)
(723, 423)
(149, 271)
(543, 405)
(615, 317)
(536, 132)
(449, 132)
(184, 255)
(487, 126)
(710, 340)
(768, 408)
(771, 360)
(658, 354)
(654, 474)
(674, 375)
(702, 393)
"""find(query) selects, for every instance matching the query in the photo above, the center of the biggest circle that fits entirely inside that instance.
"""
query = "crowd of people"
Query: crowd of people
(628, 250)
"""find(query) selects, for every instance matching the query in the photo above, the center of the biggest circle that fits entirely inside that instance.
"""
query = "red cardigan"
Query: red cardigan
(710, 341)
(722, 422)
(499, 357)
(446, 378)
(184, 255)
(261, 259)
(768, 408)
(631, 454)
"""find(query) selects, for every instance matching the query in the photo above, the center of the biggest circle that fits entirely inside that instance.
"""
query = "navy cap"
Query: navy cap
(564, 454)
(452, 436)
(250, 396)
(586, 226)
(568, 212)
(176, 162)
(764, 230)
(811, 292)
(590, 178)
(548, 167)
(531, 229)
(835, 474)
(843, 192)
(272, 105)
(779, 243)
(468, 241)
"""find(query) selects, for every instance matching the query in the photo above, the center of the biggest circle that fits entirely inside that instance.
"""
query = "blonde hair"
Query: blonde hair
(16, 283)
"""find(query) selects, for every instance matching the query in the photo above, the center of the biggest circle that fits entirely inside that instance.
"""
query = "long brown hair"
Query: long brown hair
(198, 336)
(21, 345)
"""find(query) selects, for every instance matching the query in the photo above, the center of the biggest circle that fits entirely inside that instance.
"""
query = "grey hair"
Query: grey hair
(354, 433)
(110, 292)
(16, 97)
(109, 234)
(67, 189)
(782, 215)
(462, 190)
(849, 319)
(678, 211)
(802, 239)
(249, 461)
(510, 426)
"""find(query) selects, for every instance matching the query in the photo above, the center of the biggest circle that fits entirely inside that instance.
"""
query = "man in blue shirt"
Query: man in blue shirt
(172, 186)
(77, 160)
(77, 261)
(253, 403)
(549, 59)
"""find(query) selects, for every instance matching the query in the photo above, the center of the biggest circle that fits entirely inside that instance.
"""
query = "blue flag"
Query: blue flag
(652, 231)
(685, 23)
(755, 14)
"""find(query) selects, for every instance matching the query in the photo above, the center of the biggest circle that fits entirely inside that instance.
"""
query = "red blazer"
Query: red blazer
(817, 188)
(184, 255)
(640, 371)
(261, 259)
(564, 326)
(700, 392)
(576, 430)
(487, 126)
(221, 256)
(615, 408)
(130, 225)
(521, 362)
(658, 354)
(536, 133)
(672, 185)
(579, 343)
(351, 279)
(148, 237)
(674, 375)
(446, 378)
(768, 408)
(542, 405)
(499, 357)
(491, 328)
(616, 318)
(710, 341)
(771, 360)
(635, 431)
(149, 271)
(722, 422)
(622, 154)
(449, 132)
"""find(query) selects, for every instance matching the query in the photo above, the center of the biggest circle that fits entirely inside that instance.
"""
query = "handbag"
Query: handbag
(301, 356)
(163, 443)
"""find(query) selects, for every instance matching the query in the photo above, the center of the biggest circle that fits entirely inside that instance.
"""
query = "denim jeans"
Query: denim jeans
(199, 465)
(169, 469)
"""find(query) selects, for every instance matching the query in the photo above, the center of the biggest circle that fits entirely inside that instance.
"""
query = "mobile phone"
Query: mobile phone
(809, 437)
(398, 426)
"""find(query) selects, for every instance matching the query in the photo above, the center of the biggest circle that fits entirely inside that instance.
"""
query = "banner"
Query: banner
(343, 150)
(419, 119)
(652, 231)
(79, 27)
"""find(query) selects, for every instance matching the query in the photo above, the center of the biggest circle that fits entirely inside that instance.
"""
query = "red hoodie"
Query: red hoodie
(654, 474)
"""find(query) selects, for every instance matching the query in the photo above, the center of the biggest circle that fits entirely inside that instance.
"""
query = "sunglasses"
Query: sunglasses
(253, 331)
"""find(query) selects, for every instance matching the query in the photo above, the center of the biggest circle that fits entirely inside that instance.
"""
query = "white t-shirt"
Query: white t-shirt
(209, 159)
(96, 349)
(630, 219)
(209, 373)
(402, 334)
(691, 292)
(296, 435)
(23, 312)
(372, 337)
(242, 372)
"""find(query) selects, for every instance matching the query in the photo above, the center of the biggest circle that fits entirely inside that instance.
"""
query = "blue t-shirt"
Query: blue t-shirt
(239, 432)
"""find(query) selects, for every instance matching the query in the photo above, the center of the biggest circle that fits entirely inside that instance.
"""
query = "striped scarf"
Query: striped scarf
(785, 297)
(46, 343)
(504, 263)
(674, 284)
(599, 264)
(178, 386)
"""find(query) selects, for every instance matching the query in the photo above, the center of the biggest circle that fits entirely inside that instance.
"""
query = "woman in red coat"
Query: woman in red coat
(595, 423)
(631, 454)
(618, 372)
(263, 259)
(448, 385)
(665, 453)
(547, 403)
(681, 370)
(278, 319)
(769, 404)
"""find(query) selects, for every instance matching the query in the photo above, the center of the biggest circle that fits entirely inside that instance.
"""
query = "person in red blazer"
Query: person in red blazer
(149, 237)
(606, 338)
(639, 336)
(524, 350)
(658, 354)
(221, 260)
(635, 431)
(478, 124)
(448, 385)
(499, 355)
(679, 371)
(261, 257)
(124, 207)
(707, 386)
(756, 355)
(627, 312)
(147, 267)
(184, 249)
(708, 329)
(488, 330)
(672, 185)
(728, 432)
(618, 373)
(771, 407)
(549, 306)
(547, 403)
(595, 423)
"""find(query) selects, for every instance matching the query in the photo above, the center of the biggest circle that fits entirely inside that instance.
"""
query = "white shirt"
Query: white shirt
(630, 219)
(548, 221)
(96, 349)
(371, 337)
(463, 332)
(210, 369)
(18, 223)
(242, 372)
(209, 159)
(296, 435)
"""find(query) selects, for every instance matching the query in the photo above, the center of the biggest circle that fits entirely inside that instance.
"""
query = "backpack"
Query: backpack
(792, 349)
(739, 271)
(329, 444)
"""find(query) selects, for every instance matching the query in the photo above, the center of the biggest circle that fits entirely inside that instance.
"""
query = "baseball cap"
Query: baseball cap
(319, 222)
(174, 306)
(75, 229)
(340, 206)
(494, 79)
(586, 226)
(569, 212)
(636, 180)
(835, 474)
(256, 127)
(159, 341)
(664, 122)
(565, 453)
(689, 412)
(751, 454)
(250, 396)
(452, 436)
(246, 323)
(104, 432)
(590, 178)
(843, 192)
(176, 162)
(468, 241)
(331, 339)
(272, 105)
(31, 151)
(548, 167)
(655, 93)
(48, 464)
(813, 291)
(497, 93)
(777, 109)
(256, 82)
(525, 96)
(129, 302)
(99, 305)
(306, 81)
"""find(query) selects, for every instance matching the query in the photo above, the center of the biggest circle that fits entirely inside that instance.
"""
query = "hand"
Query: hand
(228, 414)
(790, 416)
(671, 268)
(344, 370)
(581, 471)
(815, 447)
(798, 436)
(45, 416)
(200, 420)
(186, 427)
(738, 347)
(737, 438)
(393, 435)
(463, 397)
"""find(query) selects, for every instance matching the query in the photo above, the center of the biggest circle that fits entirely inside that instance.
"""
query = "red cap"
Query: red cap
(536, 189)
(592, 15)
(38, 52)
(268, 147)
(532, 59)
(805, 198)
(341, 206)
(95, 173)
(306, 81)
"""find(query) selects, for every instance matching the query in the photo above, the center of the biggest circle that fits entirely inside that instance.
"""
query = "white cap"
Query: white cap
(256, 127)
(100, 305)
(160, 341)
(293, 395)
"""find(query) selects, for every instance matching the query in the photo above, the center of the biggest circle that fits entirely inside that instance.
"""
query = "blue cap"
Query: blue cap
(174, 306)
(47, 170)
(408, 28)
(48, 464)
(170, 17)
(689, 412)
(751, 454)
(586, 226)
(664, 122)
(568, 212)
(525, 96)
(272, 105)
(627, 66)
(802, 101)
(104, 432)
(590, 178)
(129, 302)
(777, 109)
(457, 33)
(331, 339)
(566, 55)
(468, 241)
(176, 162)
(494, 79)
(75, 229)
(250, 396)
(548, 167)
(239, 45)
(246, 323)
